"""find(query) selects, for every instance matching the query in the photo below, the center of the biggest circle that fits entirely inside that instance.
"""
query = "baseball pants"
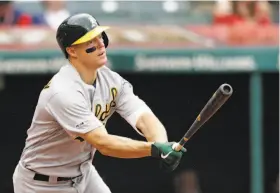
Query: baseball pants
(89, 182)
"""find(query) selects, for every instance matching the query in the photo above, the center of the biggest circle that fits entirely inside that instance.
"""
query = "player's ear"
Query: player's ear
(71, 52)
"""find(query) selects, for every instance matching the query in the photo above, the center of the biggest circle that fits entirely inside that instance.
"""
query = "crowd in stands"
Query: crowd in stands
(54, 12)
(230, 22)
(234, 12)
(224, 12)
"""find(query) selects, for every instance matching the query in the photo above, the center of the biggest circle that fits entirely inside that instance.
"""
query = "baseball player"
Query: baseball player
(68, 125)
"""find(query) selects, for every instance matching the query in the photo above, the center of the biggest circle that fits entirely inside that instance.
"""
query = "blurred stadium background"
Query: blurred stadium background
(175, 53)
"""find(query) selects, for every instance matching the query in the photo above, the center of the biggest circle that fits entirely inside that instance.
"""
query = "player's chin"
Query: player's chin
(102, 61)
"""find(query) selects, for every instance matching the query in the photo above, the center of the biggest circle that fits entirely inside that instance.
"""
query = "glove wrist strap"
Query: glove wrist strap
(155, 152)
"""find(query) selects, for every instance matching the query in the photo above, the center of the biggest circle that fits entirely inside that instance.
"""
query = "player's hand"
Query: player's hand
(169, 158)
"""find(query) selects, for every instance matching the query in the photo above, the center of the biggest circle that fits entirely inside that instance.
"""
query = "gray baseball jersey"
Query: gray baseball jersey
(66, 107)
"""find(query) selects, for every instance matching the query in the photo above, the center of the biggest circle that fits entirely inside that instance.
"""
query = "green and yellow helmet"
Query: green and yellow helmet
(77, 29)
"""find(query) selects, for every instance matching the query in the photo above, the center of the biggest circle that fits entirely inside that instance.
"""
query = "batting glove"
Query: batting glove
(169, 158)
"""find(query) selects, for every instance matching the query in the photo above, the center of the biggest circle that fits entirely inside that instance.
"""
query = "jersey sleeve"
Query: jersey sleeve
(72, 112)
(130, 106)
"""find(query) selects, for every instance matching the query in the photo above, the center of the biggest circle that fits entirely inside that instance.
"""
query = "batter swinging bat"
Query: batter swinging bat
(215, 102)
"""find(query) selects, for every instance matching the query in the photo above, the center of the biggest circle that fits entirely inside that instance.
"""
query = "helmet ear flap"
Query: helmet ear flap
(65, 54)
(105, 39)
(104, 36)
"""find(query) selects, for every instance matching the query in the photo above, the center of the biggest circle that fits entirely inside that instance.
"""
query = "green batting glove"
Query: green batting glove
(169, 158)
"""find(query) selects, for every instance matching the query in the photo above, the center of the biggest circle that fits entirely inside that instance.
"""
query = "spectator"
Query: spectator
(11, 16)
(54, 13)
(262, 12)
(187, 182)
(233, 12)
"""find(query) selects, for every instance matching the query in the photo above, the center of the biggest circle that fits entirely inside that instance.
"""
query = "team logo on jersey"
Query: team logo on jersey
(102, 115)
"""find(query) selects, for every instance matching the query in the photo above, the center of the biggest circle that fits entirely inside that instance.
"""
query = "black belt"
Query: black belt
(41, 177)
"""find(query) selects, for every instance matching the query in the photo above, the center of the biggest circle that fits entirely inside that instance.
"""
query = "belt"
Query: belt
(41, 177)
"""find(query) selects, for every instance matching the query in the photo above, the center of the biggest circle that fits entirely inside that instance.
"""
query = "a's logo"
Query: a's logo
(165, 156)
(102, 115)
(93, 22)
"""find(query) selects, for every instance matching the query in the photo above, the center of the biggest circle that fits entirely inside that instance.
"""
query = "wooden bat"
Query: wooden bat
(221, 95)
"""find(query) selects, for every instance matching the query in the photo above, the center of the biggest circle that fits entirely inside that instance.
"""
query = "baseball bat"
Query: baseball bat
(221, 95)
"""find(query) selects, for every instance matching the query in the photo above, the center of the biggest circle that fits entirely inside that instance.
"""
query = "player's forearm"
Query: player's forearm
(123, 147)
(116, 146)
(152, 128)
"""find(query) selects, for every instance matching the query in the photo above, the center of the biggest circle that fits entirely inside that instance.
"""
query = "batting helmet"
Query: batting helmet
(78, 29)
